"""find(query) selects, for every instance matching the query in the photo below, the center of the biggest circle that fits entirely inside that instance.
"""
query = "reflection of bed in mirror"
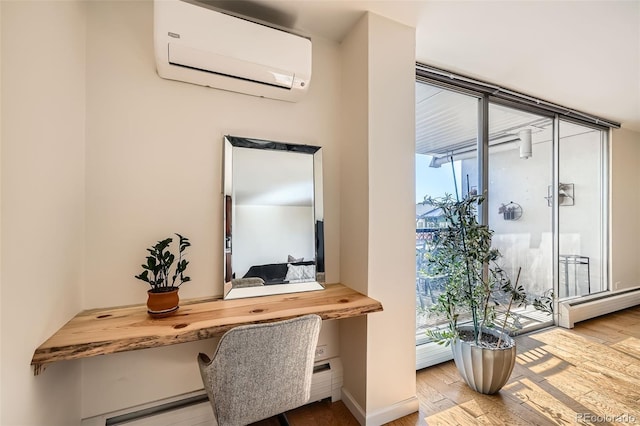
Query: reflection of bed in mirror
(273, 218)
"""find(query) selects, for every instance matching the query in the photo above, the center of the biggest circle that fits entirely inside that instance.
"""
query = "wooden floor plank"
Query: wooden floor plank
(319, 413)
(426, 392)
(632, 331)
(454, 415)
(579, 348)
(495, 405)
(629, 346)
(602, 333)
(575, 382)
(536, 398)
(604, 405)
(460, 415)
(627, 382)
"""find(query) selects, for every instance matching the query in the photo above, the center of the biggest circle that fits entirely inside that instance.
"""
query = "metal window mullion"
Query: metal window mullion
(583, 124)
(555, 218)
(448, 86)
(483, 158)
(605, 244)
(521, 107)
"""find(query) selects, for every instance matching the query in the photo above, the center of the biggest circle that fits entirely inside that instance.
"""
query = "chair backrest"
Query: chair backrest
(261, 370)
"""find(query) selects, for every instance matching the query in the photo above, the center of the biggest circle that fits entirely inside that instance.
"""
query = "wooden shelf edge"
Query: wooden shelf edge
(104, 331)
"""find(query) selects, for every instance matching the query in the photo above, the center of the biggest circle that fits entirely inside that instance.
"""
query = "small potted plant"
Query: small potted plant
(477, 292)
(163, 297)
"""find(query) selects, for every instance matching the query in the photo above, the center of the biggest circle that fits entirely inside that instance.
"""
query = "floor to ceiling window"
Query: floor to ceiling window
(582, 210)
(545, 184)
(446, 123)
(520, 168)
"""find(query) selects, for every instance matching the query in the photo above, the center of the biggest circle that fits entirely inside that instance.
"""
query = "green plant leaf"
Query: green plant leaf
(144, 276)
(157, 270)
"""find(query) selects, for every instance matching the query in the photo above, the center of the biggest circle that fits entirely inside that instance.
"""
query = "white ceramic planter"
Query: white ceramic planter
(485, 370)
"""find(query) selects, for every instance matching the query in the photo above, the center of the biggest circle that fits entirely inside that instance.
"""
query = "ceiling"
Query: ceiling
(447, 122)
(584, 55)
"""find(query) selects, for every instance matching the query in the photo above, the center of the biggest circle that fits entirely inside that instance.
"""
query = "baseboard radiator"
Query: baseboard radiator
(573, 311)
(326, 383)
(327, 380)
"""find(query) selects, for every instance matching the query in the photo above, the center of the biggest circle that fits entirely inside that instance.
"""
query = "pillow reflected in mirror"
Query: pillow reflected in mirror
(300, 273)
(247, 282)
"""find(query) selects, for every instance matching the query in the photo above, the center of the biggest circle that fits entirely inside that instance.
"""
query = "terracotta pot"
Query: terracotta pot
(162, 302)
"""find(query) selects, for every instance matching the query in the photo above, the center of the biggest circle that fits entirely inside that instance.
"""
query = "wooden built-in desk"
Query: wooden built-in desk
(127, 328)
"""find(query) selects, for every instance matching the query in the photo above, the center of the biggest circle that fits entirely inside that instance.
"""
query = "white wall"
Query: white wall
(625, 209)
(377, 217)
(1, 381)
(288, 230)
(354, 201)
(154, 157)
(43, 135)
(390, 355)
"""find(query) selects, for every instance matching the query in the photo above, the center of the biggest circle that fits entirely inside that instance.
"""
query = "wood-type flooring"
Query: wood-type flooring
(586, 375)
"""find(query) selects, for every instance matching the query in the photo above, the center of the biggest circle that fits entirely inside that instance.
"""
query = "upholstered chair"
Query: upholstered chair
(261, 370)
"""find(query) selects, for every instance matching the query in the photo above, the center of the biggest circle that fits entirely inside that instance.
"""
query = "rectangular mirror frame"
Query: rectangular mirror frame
(232, 143)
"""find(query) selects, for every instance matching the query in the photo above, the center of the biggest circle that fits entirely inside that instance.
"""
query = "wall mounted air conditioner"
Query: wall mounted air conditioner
(200, 45)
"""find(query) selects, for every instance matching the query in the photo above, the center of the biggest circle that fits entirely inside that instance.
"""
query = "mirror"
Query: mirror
(273, 218)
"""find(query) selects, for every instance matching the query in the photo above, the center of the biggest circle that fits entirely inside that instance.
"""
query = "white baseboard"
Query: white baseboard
(383, 415)
(353, 406)
(393, 412)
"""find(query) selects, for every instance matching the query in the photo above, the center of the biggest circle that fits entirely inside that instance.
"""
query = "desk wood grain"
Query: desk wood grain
(119, 329)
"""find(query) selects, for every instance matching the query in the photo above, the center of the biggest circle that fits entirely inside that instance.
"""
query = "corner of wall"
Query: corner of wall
(377, 217)
(625, 208)
(42, 202)
(391, 378)
(354, 215)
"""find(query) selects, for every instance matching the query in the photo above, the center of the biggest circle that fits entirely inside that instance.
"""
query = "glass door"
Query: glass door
(520, 168)
(582, 201)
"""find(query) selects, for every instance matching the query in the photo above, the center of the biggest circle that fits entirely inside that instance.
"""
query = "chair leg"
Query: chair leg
(282, 418)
